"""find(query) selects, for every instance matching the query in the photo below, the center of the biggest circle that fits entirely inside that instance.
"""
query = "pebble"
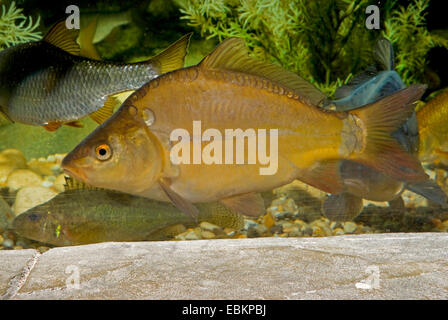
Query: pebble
(191, 235)
(335, 224)
(21, 243)
(8, 243)
(13, 157)
(261, 229)
(323, 224)
(308, 213)
(308, 231)
(23, 178)
(290, 205)
(318, 232)
(301, 223)
(445, 224)
(207, 234)
(249, 224)
(268, 220)
(209, 226)
(229, 232)
(350, 227)
(42, 249)
(188, 235)
(59, 183)
(288, 228)
(5, 170)
(338, 231)
(48, 181)
(47, 166)
(276, 229)
(1, 239)
(29, 197)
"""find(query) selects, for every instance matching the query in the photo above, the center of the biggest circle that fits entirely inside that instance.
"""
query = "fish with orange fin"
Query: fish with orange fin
(363, 182)
(132, 151)
(47, 83)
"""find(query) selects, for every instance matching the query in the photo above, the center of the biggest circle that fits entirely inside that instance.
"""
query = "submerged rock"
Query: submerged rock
(29, 197)
(20, 178)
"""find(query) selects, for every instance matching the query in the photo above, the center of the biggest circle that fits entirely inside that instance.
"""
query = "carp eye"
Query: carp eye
(103, 152)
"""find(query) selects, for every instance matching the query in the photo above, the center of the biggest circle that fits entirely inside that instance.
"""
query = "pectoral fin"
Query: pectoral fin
(249, 204)
(182, 204)
(4, 115)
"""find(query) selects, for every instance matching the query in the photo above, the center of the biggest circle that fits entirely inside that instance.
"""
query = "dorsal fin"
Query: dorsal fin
(384, 55)
(233, 55)
(63, 38)
(72, 184)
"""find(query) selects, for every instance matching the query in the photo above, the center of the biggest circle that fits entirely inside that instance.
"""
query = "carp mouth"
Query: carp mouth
(74, 173)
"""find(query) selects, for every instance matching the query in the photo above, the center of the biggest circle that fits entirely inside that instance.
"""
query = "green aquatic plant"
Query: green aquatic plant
(407, 30)
(312, 38)
(324, 41)
(16, 28)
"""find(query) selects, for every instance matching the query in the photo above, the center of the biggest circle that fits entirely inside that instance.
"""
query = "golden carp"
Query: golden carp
(47, 83)
(133, 150)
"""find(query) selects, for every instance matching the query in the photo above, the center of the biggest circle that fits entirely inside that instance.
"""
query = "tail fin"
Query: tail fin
(173, 57)
(381, 151)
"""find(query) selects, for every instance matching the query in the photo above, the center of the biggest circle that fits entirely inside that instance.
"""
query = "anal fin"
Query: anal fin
(105, 111)
(74, 124)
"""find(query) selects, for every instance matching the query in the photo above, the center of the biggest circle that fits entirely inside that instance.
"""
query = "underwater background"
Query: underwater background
(324, 41)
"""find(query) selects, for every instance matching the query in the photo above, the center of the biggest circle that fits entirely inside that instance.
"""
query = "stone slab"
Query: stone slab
(370, 266)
